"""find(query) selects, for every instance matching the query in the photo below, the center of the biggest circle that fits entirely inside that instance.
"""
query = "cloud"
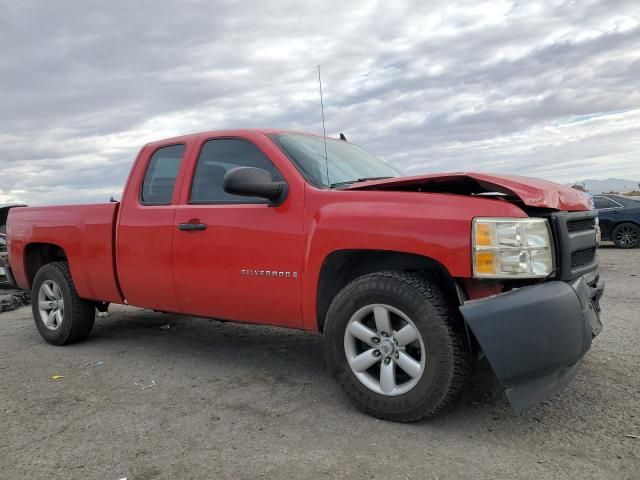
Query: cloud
(546, 89)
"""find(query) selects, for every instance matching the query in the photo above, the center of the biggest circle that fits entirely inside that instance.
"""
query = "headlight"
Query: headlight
(511, 248)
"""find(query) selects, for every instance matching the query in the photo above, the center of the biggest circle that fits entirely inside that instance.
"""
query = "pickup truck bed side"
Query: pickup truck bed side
(86, 235)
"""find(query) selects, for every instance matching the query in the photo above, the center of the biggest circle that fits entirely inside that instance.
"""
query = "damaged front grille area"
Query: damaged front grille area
(581, 225)
(583, 257)
(574, 235)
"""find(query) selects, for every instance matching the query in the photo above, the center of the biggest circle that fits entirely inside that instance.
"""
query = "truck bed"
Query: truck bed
(86, 235)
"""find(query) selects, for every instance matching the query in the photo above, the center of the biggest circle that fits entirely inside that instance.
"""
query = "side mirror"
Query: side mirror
(254, 182)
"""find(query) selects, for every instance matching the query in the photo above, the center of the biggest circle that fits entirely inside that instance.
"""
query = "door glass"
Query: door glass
(604, 202)
(158, 183)
(217, 157)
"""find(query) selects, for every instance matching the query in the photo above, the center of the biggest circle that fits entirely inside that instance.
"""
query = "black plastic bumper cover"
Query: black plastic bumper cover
(534, 337)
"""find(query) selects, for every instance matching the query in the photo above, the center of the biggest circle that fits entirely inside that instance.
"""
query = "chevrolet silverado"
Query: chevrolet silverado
(410, 279)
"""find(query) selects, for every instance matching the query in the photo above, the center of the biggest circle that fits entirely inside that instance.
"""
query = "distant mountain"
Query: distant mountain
(609, 185)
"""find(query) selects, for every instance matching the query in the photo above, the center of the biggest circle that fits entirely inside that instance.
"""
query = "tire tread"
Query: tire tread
(458, 361)
(80, 313)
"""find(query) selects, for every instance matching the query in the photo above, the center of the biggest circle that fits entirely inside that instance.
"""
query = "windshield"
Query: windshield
(347, 163)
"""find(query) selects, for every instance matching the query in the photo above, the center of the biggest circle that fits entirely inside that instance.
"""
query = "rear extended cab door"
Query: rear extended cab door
(144, 235)
(245, 263)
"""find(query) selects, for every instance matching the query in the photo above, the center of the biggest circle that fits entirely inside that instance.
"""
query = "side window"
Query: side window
(604, 202)
(158, 183)
(217, 157)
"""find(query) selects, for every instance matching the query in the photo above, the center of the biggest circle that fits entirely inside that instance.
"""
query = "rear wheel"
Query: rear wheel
(61, 316)
(395, 346)
(626, 235)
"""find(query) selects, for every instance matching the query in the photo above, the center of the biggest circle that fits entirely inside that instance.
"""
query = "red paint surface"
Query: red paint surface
(84, 232)
(199, 272)
(533, 192)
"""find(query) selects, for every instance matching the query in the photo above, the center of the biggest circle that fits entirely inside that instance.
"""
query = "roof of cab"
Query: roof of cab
(239, 132)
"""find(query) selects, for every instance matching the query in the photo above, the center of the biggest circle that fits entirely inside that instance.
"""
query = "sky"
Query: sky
(546, 89)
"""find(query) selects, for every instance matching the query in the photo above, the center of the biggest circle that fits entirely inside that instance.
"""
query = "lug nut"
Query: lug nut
(387, 361)
(384, 334)
(375, 340)
(376, 353)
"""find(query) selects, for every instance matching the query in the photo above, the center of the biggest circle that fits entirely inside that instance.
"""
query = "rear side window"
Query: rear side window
(217, 157)
(604, 202)
(158, 183)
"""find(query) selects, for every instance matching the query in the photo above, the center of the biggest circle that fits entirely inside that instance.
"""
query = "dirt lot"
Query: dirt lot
(204, 399)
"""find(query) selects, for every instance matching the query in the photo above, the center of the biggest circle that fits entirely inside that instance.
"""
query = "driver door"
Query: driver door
(242, 261)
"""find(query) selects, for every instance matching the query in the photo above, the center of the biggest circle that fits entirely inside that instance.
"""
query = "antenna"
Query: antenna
(324, 131)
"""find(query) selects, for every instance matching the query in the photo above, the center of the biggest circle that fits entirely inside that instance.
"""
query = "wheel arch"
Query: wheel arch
(340, 267)
(626, 220)
(36, 255)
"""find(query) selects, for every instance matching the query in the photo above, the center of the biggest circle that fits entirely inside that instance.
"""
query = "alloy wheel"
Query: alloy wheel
(51, 304)
(627, 235)
(384, 349)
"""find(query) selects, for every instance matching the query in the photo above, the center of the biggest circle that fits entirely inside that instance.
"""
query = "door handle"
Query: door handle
(189, 227)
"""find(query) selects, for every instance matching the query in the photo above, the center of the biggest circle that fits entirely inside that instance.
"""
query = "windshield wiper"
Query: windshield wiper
(364, 179)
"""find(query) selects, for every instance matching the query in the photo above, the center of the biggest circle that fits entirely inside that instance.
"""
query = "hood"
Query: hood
(532, 192)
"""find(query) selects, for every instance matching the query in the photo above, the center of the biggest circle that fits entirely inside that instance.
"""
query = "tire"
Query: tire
(76, 317)
(626, 235)
(410, 299)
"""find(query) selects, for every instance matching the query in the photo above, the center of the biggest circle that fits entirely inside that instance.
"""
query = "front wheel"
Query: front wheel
(395, 346)
(61, 316)
(626, 235)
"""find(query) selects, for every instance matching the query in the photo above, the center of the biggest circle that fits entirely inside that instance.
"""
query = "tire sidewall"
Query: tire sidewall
(60, 335)
(436, 379)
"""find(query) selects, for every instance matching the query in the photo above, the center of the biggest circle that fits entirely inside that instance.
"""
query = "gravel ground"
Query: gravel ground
(204, 399)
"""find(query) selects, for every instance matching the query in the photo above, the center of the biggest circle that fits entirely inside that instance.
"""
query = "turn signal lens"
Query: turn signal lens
(484, 262)
(512, 247)
(483, 235)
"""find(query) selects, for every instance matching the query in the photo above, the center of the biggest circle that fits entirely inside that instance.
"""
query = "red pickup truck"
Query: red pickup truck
(411, 279)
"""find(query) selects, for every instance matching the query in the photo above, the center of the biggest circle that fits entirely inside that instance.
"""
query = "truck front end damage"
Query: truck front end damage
(535, 335)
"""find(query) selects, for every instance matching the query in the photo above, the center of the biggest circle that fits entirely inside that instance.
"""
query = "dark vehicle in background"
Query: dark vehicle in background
(4, 212)
(3, 255)
(619, 219)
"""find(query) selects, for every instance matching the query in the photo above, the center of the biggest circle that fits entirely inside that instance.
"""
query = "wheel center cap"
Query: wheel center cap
(387, 348)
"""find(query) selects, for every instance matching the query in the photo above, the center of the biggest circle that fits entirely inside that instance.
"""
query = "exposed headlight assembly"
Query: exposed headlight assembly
(511, 248)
